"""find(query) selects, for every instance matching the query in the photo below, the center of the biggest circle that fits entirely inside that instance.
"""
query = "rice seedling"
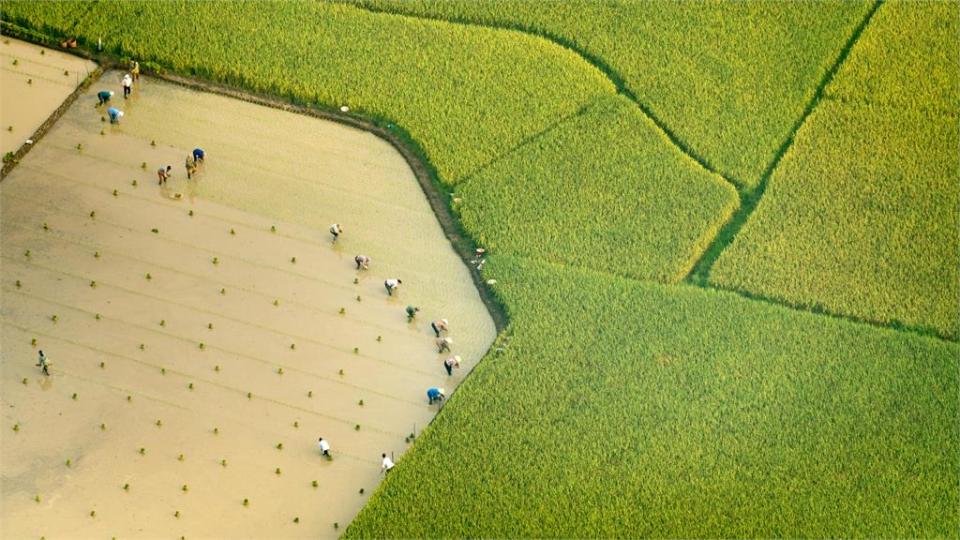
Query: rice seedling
(163, 322)
(180, 457)
(115, 192)
(309, 393)
(314, 483)
(356, 350)
(33, 342)
(36, 498)
(223, 291)
(379, 338)
(277, 471)
(273, 228)
(176, 514)
(18, 284)
(233, 232)
(103, 365)
(29, 81)
(69, 462)
(216, 431)
(223, 462)
(142, 347)
(126, 487)
(190, 213)
(216, 367)
(280, 371)
(158, 423)
(202, 346)
(279, 446)
(343, 310)
(74, 396)
(103, 427)
(190, 386)
(45, 227)
(26, 253)
(93, 214)
(24, 381)
(296, 520)
(361, 491)
(153, 143)
(184, 488)
(93, 284)
(93, 513)
(129, 398)
(276, 302)
(356, 427)
(54, 318)
(97, 316)
(296, 424)
(246, 502)
(96, 254)
(148, 276)
(358, 298)
(360, 403)
(216, 260)
(16, 427)
(293, 260)
(155, 230)
(249, 395)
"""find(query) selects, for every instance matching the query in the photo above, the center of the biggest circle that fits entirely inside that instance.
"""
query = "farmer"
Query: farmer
(115, 115)
(443, 344)
(439, 326)
(198, 155)
(127, 84)
(135, 70)
(450, 363)
(191, 166)
(43, 365)
(335, 230)
(362, 261)
(435, 394)
(324, 447)
(163, 174)
(387, 464)
(104, 96)
(391, 285)
(412, 312)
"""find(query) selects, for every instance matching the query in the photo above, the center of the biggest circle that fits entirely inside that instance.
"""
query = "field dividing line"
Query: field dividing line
(611, 74)
(55, 82)
(57, 234)
(189, 378)
(301, 339)
(97, 188)
(224, 350)
(750, 200)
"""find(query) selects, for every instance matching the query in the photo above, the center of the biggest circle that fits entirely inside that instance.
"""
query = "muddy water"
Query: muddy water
(233, 357)
(33, 88)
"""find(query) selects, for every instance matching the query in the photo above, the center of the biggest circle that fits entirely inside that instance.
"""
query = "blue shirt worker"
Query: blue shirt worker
(115, 115)
(198, 155)
(435, 394)
(104, 96)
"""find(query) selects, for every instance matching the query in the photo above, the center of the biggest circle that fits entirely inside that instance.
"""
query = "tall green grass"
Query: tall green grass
(860, 218)
(628, 409)
(728, 78)
(603, 190)
(466, 95)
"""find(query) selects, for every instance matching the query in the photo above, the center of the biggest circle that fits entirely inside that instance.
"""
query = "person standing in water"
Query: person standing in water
(43, 365)
(324, 448)
(135, 70)
(127, 84)
(335, 230)
(104, 96)
(163, 174)
(439, 326)
(391, 285)
(386, 464)
(450, 363)
(191, 166)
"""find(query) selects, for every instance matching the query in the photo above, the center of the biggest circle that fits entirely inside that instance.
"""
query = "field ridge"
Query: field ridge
(749, 199)
(610, 73)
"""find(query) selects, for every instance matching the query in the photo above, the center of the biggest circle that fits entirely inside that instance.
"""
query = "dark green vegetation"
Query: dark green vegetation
(860, 217)
(621, 407)
(603, 190)
(728, 78)
(631, 409)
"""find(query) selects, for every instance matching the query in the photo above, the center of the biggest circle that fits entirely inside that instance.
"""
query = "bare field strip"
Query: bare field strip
(36, 75)
(236, 342)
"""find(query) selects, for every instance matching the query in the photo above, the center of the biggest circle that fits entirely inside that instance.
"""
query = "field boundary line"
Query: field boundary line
(189, 378)
(610, 73)
(296, 338)
(750, 199)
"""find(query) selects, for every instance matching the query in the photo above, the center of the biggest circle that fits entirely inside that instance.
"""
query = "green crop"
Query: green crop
(465, 94)
(631, 409)
(729, 78)
(602, 190)
(861, 217)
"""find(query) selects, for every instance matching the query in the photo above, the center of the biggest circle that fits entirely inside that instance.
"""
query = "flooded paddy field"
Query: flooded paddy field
(203, 334)
(34, 81)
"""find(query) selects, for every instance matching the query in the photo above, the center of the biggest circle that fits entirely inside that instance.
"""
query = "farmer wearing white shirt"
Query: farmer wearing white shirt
(335, 230)
(450, 363)
(391, 285)
(324, 447)
(127, 84)
(439, 326)
(387, 464)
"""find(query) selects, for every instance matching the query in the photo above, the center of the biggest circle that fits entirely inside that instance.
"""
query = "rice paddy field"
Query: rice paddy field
(724, 236)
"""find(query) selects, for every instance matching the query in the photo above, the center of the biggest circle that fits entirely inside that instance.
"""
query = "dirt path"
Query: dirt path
(188, 344)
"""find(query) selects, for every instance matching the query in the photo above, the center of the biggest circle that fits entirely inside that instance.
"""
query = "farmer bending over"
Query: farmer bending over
(450, 363)
(198, 155)
(443, 344)
(163, 174)
(104, 96)
(335, 230)
(412, 312)
(362, 261)
(435, 394)
(439, 326)
(391, 285)
(115, 115)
